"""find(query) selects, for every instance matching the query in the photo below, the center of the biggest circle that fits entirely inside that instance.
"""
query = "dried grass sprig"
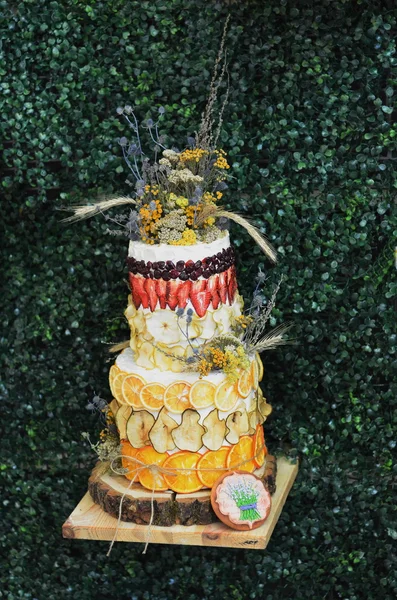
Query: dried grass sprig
(257, 236)
(85, 211)
(204, 136)
(119, 347)
(257, 327)
(272, 340)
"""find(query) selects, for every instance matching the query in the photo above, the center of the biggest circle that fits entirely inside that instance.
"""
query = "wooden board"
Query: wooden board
(89, 522)
(110, 491)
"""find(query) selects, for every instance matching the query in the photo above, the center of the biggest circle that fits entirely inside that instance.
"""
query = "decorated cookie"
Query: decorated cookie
(240, 500)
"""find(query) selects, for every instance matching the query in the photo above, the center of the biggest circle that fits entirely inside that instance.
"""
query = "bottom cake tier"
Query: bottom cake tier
(180, 432)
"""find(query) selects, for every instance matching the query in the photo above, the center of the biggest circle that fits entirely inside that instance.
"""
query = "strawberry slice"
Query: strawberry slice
(183, 293)
(212, 287)
(161, 289)
(172, 293)
(138, 291)
(150, 287)
(223, 286)
(134, 292)
(200, 297)
(216, 300)
(232, 285)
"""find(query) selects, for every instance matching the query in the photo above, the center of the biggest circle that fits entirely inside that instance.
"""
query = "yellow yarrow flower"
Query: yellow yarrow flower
(181, 201)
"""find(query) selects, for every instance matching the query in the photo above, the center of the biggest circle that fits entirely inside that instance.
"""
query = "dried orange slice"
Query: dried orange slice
(131, 390)
(202, 394)
(260, 366)
(226, 396)
(116, 387)
(128, 453)
(176, 397)
(151, 478)
(182, 480)
(244, 384)
(113, 372)
(255, 374)
(216, 459)
(152, 396)
(240, 455)
(260, 449)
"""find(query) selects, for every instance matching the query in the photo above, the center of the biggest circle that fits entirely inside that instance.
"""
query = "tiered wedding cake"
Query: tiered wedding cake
(187, 406)
(182, 297)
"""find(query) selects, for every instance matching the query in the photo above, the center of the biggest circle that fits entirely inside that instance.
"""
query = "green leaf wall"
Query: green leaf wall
(311, 132)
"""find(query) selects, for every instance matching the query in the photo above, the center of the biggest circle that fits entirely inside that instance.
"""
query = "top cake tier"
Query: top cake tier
(181, 296)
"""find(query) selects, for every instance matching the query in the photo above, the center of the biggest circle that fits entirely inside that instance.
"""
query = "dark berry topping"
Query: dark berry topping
(166, 276)
(198, 272)
(157, 274)
(183, 276)
(197, 264)
(174, 274)
(180, 265)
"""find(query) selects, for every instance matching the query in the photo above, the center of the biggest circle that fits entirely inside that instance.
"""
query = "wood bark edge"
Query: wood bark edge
(176, 509)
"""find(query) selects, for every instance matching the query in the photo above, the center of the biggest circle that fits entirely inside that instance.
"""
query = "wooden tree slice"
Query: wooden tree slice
(107, 490)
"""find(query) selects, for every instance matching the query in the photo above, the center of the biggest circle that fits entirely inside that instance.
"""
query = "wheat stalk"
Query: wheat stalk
(271, 340)
(120, 346)
(217, 212)
(85, 211)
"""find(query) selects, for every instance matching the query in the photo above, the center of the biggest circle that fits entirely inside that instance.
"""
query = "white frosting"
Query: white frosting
(156, 252)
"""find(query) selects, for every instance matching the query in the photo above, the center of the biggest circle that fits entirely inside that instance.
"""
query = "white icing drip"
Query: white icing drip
(156, 252)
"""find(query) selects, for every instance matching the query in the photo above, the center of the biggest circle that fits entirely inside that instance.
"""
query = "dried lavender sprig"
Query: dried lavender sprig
(256, 328)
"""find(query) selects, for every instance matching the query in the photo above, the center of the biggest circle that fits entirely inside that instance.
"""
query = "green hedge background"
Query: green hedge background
(311, 132)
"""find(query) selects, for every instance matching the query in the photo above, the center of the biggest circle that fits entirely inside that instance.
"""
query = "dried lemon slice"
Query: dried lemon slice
(116, 387)
(202, 394)
(113, 372)
(152, 396)
(260, 366)
(226, 396)
(244, 384)
(255, 374)
(176, 397)
(131, 390)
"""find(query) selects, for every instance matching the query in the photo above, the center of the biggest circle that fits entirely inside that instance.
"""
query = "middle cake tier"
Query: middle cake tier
(174, 412)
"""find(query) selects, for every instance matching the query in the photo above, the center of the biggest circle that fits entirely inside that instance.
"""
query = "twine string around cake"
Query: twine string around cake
(155, 469)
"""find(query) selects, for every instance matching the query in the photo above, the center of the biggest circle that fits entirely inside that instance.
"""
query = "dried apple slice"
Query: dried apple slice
(189, 434)
(114, 407)
(215, 431)
(264, 408)
(121, 418)
(160, 434)
(144, 356)
(238, 425)
(138, 426)
(254, 419)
